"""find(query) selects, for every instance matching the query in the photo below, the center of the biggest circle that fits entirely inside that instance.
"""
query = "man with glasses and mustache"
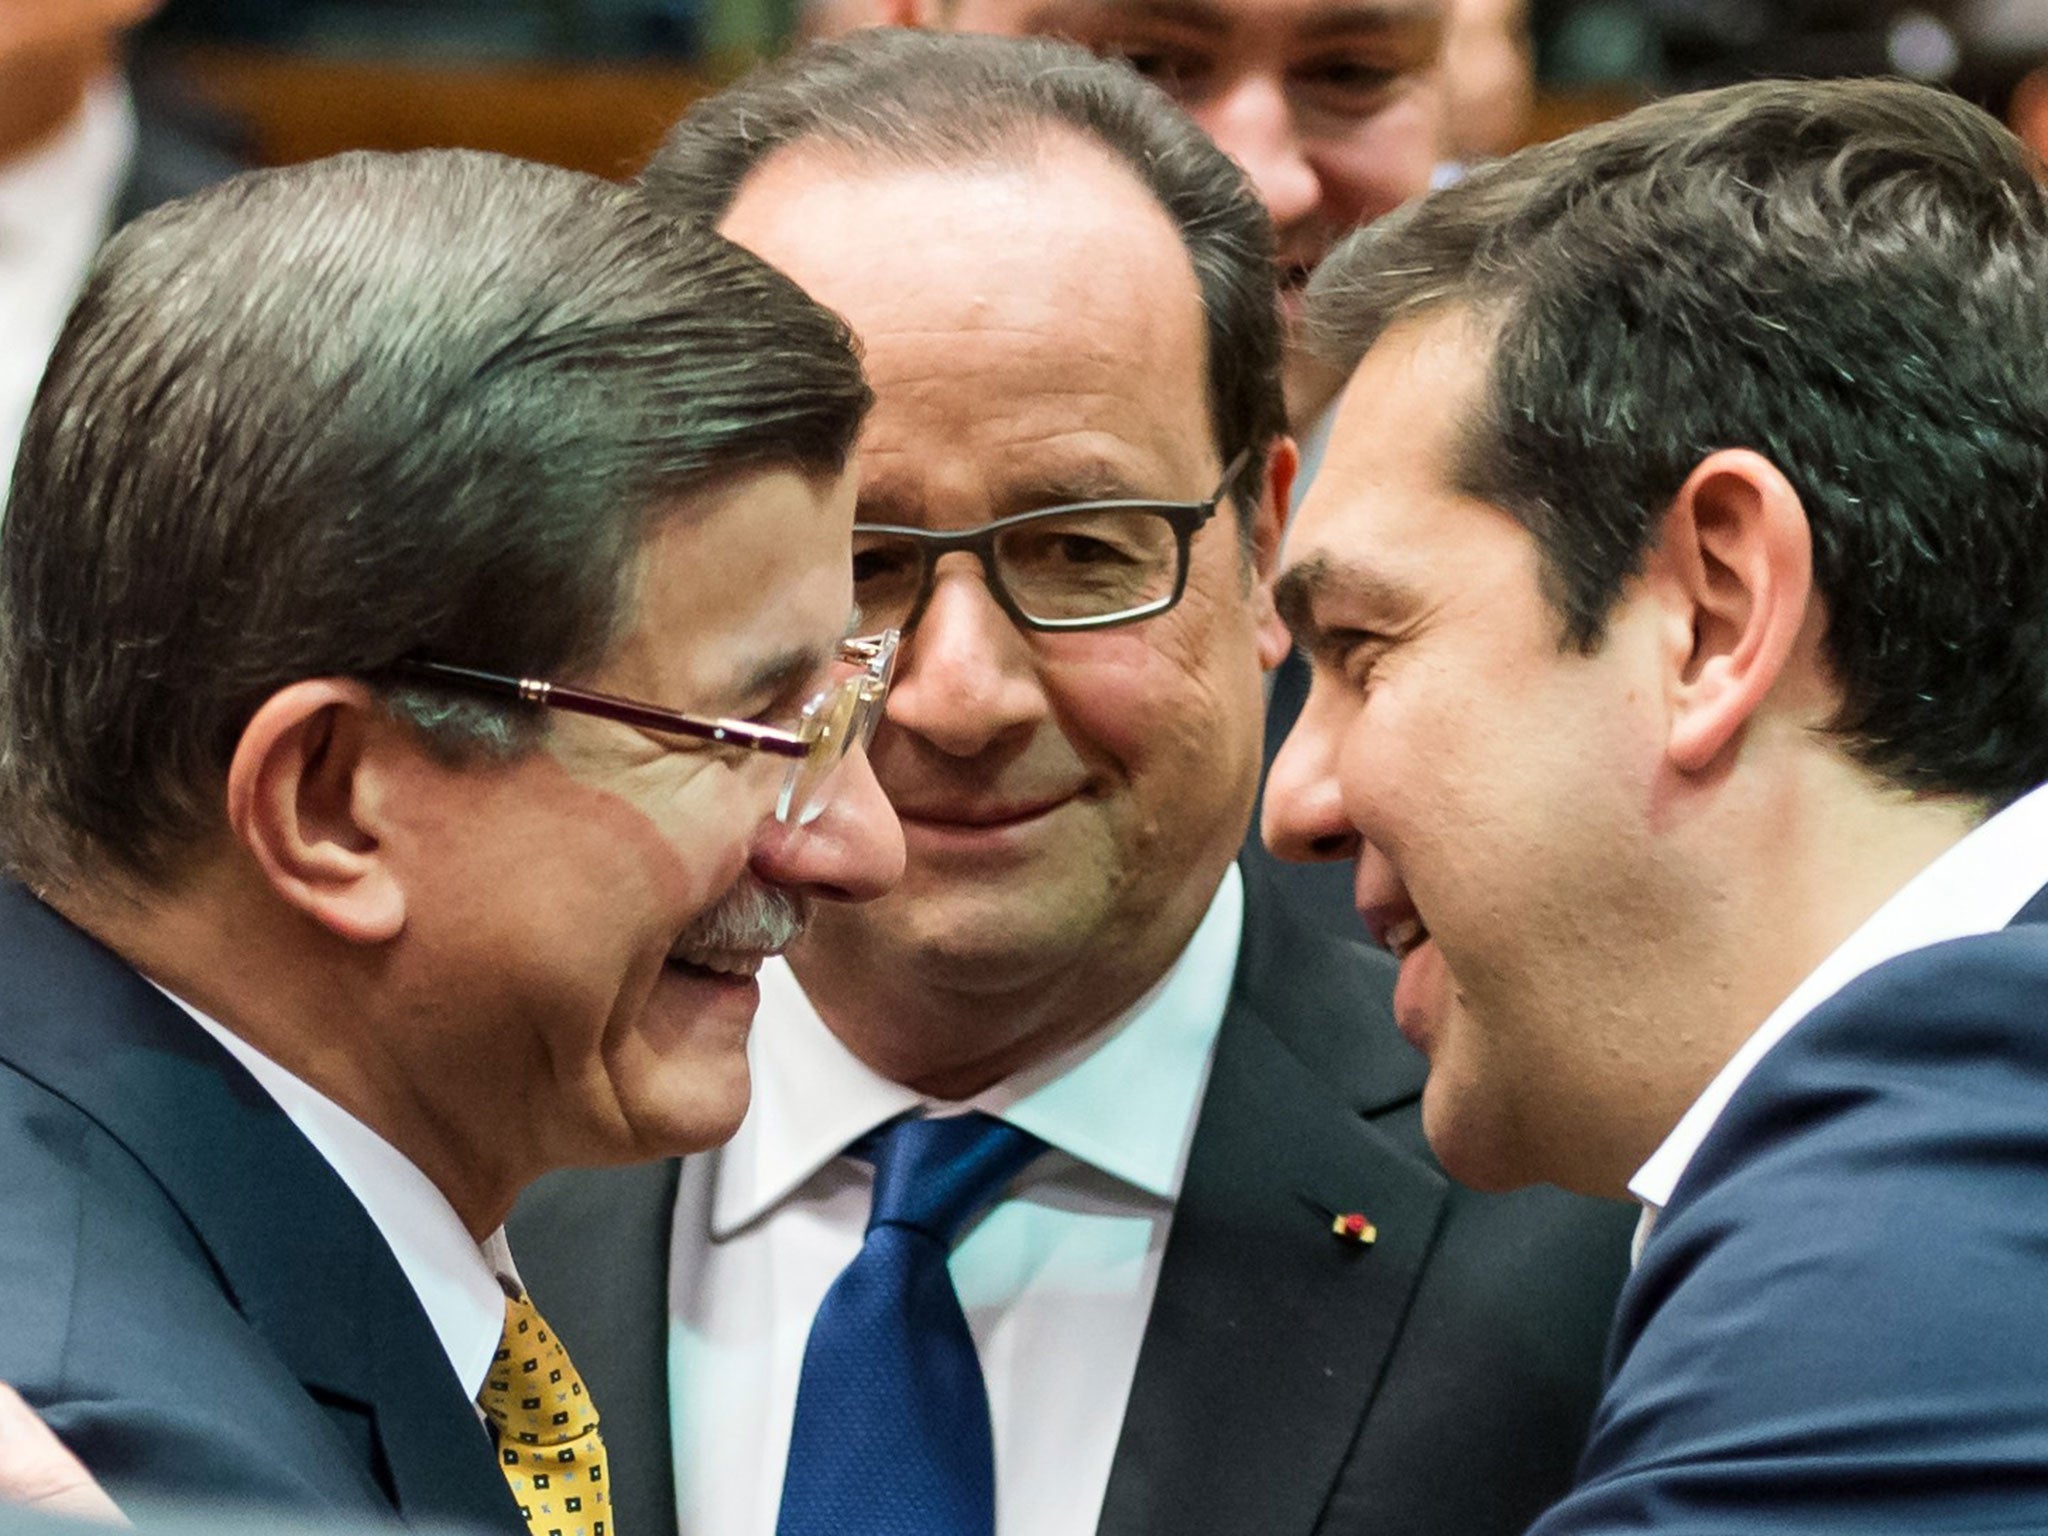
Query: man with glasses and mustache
(1083, 1188)
(425, 702)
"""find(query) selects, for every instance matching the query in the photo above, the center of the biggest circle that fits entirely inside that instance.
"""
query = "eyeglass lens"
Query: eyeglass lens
(843, 717)
(1092, 562)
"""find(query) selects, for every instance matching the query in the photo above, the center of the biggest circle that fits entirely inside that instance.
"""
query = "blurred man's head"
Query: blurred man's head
(1676, 585)
(316, 427)
(1331, 106)
(1489, 78)
(46, 29)
(1063, 295)
(50, 51)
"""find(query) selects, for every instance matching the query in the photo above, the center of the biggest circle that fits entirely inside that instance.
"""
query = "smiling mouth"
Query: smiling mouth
(981, 817)
(1403, 938)
(1395, 925)
(724, 965)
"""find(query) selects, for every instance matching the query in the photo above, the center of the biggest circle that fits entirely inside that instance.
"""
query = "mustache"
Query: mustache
(751, 916)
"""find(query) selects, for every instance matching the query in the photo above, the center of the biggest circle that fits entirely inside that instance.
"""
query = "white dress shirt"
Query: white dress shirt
(456, 1278)
(1978, 886)
(55, 207)
(1056, 1280)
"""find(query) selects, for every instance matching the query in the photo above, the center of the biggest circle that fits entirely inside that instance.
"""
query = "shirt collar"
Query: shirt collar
(456, 1278)
(1977, 886)
(1123, 1101)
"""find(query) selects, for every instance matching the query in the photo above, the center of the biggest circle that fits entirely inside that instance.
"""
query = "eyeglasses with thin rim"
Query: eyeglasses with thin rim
(840, 716)
(1087, 565)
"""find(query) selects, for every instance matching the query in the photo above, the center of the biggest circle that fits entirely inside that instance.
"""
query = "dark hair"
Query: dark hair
(950, 100)
(317, 419)
(1848, 278)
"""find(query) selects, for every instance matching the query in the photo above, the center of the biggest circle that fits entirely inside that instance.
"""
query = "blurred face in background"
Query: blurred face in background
(1489, 78)
(35, 29)
(50, 52)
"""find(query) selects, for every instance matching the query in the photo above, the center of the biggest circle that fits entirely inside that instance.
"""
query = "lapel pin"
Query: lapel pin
(1352, 1227)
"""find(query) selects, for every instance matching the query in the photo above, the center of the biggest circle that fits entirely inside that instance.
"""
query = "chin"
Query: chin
(682, 1108)
(1470, 1142)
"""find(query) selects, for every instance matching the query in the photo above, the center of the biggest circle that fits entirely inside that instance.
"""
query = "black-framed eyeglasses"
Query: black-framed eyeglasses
(840, 716)
(1090, 565)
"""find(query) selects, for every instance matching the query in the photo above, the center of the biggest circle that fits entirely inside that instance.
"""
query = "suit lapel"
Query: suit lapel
(593, 1248)
(293, 1249)
(2035, 911)
(1268, 1332)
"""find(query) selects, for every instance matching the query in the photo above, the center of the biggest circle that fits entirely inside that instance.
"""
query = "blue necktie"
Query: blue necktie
(892, 1435)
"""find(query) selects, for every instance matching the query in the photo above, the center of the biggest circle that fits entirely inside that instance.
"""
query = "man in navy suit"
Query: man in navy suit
(1677, 596)
(321, 935)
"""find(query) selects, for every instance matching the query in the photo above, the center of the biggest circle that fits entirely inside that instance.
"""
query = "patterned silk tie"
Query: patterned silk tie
(891, 1436)
(546, 1425)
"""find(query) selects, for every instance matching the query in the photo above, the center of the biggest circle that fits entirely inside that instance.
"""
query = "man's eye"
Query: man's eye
(1360, 659)
(1176, 71)
(1349, 655)
(876, 562)
(1345, 86)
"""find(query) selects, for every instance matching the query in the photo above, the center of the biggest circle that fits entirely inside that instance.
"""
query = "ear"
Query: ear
(1734, 568)
(305, 797)
(1269, 525)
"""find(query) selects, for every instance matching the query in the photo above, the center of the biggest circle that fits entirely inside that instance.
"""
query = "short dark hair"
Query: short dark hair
(1850, 278)
(317, 419)
(951, 100)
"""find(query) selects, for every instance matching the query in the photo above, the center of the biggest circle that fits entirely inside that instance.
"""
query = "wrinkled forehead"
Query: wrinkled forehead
(858, 226)
(1042, 339)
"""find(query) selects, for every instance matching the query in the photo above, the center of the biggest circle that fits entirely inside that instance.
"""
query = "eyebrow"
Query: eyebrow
(1369, 16)
(1319, 579)
(1078, 486)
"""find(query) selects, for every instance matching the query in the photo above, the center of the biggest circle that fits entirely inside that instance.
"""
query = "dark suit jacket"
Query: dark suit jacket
(1840, 1322)
(193, 1298)
(1322, 893)
(1436, 1382)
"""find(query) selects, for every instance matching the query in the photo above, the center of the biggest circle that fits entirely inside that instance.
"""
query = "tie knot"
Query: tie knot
(932, 1175)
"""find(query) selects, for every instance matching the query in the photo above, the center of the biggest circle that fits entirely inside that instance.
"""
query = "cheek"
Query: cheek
(692, 846)
(1181, 696)
(1112, 702)
(1383, 162)
(660, 848)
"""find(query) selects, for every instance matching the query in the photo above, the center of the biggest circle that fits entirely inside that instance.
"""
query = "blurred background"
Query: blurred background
(592, 83)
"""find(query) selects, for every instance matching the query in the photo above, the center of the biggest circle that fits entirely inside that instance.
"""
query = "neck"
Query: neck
(1815, 860)
(41, 92)
(950, 1026)
(319, 1007)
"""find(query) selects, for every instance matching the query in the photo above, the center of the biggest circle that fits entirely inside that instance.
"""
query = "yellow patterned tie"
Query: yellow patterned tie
(548, 1445)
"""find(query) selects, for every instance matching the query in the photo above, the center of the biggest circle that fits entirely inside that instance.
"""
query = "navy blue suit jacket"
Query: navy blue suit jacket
(1288, 1384)
(1840, 1322)
(193, 1298)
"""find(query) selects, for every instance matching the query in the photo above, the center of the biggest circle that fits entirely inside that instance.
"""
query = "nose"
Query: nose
(1253, 122)
(967, 678)
(1304, 817)
(852, 850)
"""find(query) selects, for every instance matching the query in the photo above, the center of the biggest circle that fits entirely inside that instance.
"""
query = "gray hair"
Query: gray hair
(1850, 278)
(319, 419)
